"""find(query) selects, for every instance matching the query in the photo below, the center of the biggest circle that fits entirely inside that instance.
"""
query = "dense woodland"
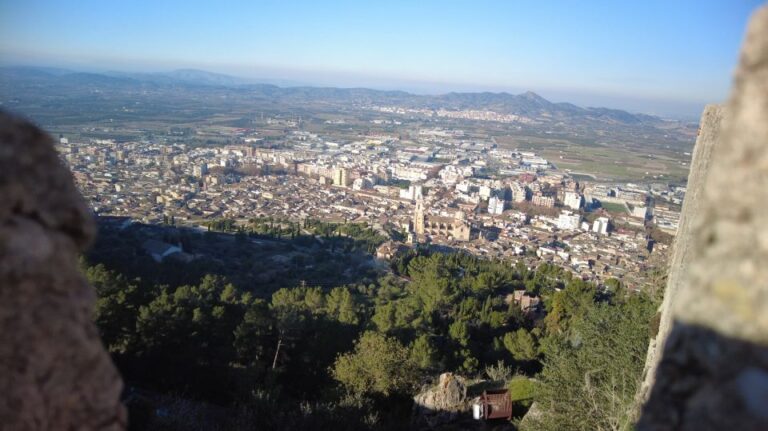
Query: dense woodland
(352, 356)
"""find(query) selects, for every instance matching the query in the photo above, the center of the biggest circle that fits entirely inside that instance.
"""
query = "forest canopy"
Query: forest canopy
(349, 352)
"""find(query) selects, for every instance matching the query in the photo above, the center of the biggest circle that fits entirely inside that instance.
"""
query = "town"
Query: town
(426, 216)
(438, 189)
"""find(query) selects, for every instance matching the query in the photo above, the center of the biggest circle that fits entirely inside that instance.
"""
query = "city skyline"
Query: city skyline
(653, 57)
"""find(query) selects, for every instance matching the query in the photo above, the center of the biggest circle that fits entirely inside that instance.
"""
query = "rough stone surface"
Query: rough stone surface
(726, 288)
(707, 381)
(714, 370)
(441, 403)
(709, 136)
(54, 372)
(532, 416)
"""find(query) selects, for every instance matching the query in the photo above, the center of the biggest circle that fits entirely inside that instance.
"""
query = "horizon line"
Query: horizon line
(391, 86)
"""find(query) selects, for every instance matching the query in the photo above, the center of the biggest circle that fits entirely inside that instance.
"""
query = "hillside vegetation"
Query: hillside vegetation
(352, 356)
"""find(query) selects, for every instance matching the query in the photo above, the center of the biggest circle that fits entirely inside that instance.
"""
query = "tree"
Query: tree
(379, 365)
(343, 306)
(116, 308)
(400, 314)
(521, 345)
(252, 342)
(591, 374)
(432, 283)
(291, 314)
(487, 282)
(423, 352)
(459, 331)
(467, 362)
(577, 299)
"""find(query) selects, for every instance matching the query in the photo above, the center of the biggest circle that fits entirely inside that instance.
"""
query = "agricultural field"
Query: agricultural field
(606, 162)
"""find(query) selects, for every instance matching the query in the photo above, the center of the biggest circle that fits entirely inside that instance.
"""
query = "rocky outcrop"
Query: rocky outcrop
(531, 417)
(54, 372)
(442, 403)
(713, 373)
(709, 136)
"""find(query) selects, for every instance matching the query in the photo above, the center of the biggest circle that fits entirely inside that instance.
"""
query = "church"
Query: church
(437, 226)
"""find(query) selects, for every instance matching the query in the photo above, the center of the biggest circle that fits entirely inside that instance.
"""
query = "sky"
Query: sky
(665, 57)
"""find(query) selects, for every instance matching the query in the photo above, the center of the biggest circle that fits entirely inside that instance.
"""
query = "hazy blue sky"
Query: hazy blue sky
(654, 56)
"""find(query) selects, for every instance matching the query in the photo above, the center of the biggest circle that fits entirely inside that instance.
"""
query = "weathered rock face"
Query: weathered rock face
(442, 403)
(54, 372)
(713, 373)
(709, 136)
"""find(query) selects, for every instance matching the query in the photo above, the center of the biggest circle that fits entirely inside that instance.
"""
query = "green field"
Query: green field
(607, 162)
(614, 207)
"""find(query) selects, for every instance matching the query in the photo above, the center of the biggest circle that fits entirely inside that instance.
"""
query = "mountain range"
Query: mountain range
(14, 80)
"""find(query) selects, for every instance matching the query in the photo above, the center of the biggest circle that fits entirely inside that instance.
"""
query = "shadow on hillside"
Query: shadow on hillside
(254, 263)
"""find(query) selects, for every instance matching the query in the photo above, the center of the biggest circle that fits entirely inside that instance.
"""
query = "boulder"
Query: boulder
(441, 403)
(54, 371)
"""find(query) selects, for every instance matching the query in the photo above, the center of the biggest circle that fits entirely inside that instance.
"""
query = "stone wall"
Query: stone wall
(54, 372)
(713, 372)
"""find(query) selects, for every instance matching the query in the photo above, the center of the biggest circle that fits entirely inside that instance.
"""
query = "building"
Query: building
(519, 193)
(436, 226)
(573, 200)
(528, 302)
(568, 221)
(632, 195)
(495, 205)
(485, 192)
(390, 249)
(598, 191)
(413, 193)
(666, 219)
(361, 184)
(639, 211)
(416, 171)
(543, 201)
(601, 225)
(340, 177)
(199, 170)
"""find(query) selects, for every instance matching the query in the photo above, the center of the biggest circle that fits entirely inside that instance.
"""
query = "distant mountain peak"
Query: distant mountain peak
(530, 95)
(197, 76)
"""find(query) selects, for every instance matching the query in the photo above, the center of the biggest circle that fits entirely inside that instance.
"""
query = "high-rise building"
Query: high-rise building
(572, 200)
(519, 194)
(601, 225)
(495, 205)
(340, 176)
(200, 170)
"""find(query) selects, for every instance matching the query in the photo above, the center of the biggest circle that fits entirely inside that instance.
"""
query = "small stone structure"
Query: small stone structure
(713, 370)
(54, 372)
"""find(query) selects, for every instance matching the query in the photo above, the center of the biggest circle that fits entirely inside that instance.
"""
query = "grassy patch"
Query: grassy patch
(614, 207)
